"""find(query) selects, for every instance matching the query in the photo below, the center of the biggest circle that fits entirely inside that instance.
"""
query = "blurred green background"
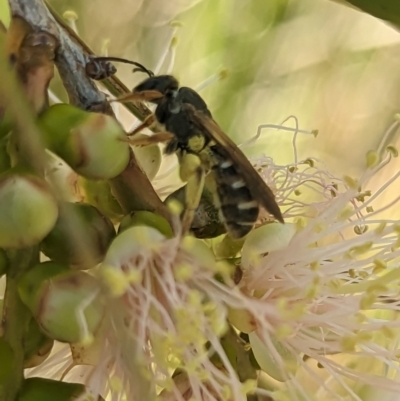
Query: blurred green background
(334, 68)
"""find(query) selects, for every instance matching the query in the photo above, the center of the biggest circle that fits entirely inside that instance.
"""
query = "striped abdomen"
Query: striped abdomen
(238, 208)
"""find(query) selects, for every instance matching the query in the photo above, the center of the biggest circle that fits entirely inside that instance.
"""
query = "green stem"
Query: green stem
(15, 319)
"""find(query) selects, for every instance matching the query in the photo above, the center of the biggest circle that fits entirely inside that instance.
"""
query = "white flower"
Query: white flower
(318, 299)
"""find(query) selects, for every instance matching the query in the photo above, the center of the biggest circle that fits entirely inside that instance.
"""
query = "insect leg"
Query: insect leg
(143, 96)
(144, 140)
(193, 173)
(148, 122)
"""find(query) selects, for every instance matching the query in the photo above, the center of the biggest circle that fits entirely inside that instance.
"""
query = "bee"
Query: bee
(207, 156)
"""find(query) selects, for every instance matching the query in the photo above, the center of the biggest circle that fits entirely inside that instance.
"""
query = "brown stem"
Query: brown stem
(132, 188)
(134, 193)
(113, 84)
(70, 58)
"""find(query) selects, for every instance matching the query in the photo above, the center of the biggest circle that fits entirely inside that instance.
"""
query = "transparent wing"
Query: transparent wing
(259, 189)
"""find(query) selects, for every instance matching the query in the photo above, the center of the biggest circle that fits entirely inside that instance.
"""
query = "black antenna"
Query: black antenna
(139, 67)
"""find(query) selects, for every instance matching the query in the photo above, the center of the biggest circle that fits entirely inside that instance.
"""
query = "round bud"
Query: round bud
(149, 219)
(29, 286)
(28, 210)
(67, 306)
(80, 237)
(93, 144)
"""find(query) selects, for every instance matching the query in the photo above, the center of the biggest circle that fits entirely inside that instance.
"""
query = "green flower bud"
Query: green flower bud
(149, 219)
(94, 232)
(31, 283)
(39, 389)
(28, 210)
(71, 308)
(91, 143)
(37, 346)
(67, 306)
(98, 193)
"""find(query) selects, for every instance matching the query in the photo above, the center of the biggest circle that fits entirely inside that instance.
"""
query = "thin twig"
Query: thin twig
(113, 84)
(71, 59)
(131, 188)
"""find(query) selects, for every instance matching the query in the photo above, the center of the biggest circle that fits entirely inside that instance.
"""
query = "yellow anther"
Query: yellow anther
(392, 150)
(367, 301)
(135, 276)
(114, 279)
(351, 182)
(388, 332)
(352, 273)
(283, 331)
(363, 336)
(379, 265)
(377, 288)
(70, 15)
(115, 384)
(176, 24)
(372, 158)
(175, 207)
(195, 298)
(174, 41)
(310, 162)
(348, 344)
(249, 386)
(226, 392)
(86, 340)
(360, 249)
(183, 272)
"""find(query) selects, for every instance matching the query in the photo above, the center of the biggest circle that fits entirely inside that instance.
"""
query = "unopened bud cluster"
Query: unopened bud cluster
(63, 292)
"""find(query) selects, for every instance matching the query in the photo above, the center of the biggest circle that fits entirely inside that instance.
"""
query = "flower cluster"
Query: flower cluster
(305, 310)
